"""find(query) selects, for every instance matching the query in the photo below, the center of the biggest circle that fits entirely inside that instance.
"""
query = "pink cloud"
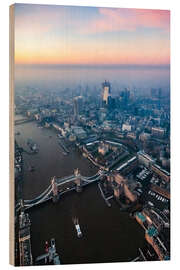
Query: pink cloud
(129, 20)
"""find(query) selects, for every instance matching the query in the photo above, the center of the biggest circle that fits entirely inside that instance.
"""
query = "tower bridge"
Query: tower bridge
(56, 188)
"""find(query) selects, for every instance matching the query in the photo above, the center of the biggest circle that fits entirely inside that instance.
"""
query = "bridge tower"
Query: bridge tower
(118, 187)
(78, 180)
(116, 191)
(22, 205)
(54, 190)
(110, 178)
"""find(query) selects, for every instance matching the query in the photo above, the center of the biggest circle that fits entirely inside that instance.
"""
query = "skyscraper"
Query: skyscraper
(124, 97)
(156, 93)
(78, 106)
(106, 93)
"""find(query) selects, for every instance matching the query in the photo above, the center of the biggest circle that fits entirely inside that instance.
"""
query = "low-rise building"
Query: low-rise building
(144, 136)
(126, 127)
(103, 148)
(145, 159)
(79, 132)
(158, 132)
(131, 135)
(161, 172)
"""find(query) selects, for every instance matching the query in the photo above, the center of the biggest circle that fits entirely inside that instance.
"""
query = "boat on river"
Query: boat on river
(77, 227)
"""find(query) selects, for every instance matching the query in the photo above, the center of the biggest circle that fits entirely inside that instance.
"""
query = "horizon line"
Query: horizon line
(96, 65)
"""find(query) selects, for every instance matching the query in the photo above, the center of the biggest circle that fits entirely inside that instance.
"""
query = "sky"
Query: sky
(66, 35)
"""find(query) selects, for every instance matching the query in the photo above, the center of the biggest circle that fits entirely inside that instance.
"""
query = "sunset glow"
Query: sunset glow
(86, 35)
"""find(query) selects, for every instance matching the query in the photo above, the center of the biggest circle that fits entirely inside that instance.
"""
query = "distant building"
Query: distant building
(106, 92)
(158, 132)
(72, 138)
(78, 106)
(144, 136)
(102, 114)
(124, 97)
(31, 112)
(131, 135)
(103, 148)
(156, 93)
(79, 132)
(37, 116)
(126, 127)
(106, 125)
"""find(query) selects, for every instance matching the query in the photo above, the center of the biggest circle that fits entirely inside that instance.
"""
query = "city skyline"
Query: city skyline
(91, 36)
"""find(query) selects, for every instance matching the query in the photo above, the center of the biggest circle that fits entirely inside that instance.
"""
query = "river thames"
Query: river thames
(108, 234)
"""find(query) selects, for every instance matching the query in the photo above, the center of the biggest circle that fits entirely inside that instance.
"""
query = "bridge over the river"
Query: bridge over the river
(59, 186)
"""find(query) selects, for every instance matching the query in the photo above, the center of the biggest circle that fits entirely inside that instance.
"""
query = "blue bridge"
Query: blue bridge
(59, 186)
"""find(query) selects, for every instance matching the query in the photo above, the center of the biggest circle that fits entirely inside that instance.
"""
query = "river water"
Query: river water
(108, 234)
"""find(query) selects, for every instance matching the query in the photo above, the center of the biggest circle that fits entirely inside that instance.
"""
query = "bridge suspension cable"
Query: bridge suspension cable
(42, 199)
(38, 197)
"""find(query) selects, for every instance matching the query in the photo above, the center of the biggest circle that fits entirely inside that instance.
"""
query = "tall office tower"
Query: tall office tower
(78, 106)
(156, 93)
(106, 93)
(159, 93)
(126, 96)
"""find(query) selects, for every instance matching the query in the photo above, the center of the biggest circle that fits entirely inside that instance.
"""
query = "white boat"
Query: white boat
(79, 233)
(77, 227)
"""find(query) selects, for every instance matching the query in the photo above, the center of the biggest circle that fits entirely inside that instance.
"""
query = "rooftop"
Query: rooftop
(141, 216)
(142, 153)
(152, 231)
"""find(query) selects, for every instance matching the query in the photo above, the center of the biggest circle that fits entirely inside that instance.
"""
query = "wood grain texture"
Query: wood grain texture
(11, 138)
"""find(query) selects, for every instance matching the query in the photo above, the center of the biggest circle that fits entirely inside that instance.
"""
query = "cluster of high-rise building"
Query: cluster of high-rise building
(140, 120)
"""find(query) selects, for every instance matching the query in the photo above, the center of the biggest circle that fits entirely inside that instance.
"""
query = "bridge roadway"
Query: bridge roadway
(48, 193)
